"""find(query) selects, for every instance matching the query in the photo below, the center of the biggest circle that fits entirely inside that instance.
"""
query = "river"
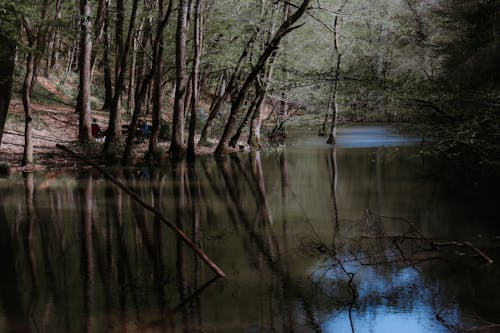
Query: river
(312, 238)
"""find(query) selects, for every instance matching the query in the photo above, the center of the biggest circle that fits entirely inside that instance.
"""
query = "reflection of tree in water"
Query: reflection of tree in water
(121, 264)
(264, 242)
(132, 272)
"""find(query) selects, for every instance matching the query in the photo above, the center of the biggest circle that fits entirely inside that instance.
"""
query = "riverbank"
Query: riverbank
(58, 124)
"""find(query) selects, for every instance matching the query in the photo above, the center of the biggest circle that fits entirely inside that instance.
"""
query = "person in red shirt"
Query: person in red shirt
(96, 130)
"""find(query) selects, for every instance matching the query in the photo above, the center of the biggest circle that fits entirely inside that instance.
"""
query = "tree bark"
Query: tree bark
(26, 93)
(255, 122)
(212, 112)
(8, 45)
(226, 91)
(56, 44)
(248, 116)
(71, 56)
(106, 59)
(157, 83)
(145, 84)
(177, 142)
(114, 131)
(85, 71)
(143, 89)
(333, 105)
(195, 79)
(132, 78)
(28, 125)
(285, 28)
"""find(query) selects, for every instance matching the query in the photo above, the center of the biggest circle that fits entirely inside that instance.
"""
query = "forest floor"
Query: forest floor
(55, 122)
(52, 124)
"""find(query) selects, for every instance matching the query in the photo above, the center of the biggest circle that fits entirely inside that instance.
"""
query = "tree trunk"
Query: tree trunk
(132, 79)
(255, 123)
(177, 142)
(71, 56)
(28, 125)
(85, 69)
(100, 19)
(106, 59)
(333, 105)
(285, 28)
(212, 112)
(53, 41)
(8, 44)
(142, 89)
(251, 110)
(145, 84)
(114, 131)
(157, 67)
(195, 79)
(225, 92)
(157, 84)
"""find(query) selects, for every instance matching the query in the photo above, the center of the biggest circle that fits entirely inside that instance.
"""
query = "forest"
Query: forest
(249, 166)
(232, 74)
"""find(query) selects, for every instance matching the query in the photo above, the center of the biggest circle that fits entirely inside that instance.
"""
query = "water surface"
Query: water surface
(302, 234)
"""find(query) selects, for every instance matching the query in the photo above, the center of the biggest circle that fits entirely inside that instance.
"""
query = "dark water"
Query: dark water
(305, 236)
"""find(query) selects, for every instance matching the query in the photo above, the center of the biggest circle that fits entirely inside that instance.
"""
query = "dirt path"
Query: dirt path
(51, 125)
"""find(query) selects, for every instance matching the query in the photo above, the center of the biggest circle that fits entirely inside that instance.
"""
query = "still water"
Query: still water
(311, 238)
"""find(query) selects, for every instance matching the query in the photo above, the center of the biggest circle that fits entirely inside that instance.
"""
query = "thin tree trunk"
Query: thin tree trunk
(158, 76)
(157, 84)
(71, 56)
(212, 111)
(85, 69)
(332, 137)
(54, 57)
(28, 125)
(255, 123)
(187, 98)
(251, 110)
(195, 78)
(333, 105)
(106, 59)
(26, 93)
(114, 131)
(143, 89)
(100, 19)
(53, 39)
(132, 79)
(177, 142)
(8, 43)
(145, 85)
(41, 41)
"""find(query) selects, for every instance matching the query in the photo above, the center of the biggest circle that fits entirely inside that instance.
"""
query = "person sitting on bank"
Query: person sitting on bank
(96, 130)
(146, 130)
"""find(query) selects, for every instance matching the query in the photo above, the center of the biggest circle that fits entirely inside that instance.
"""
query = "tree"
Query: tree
(114, 131)
(9, 35)
(85, 71)
(143, 85)
(36, 32)
(195, 76)
(286, 27)
(177, 149)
